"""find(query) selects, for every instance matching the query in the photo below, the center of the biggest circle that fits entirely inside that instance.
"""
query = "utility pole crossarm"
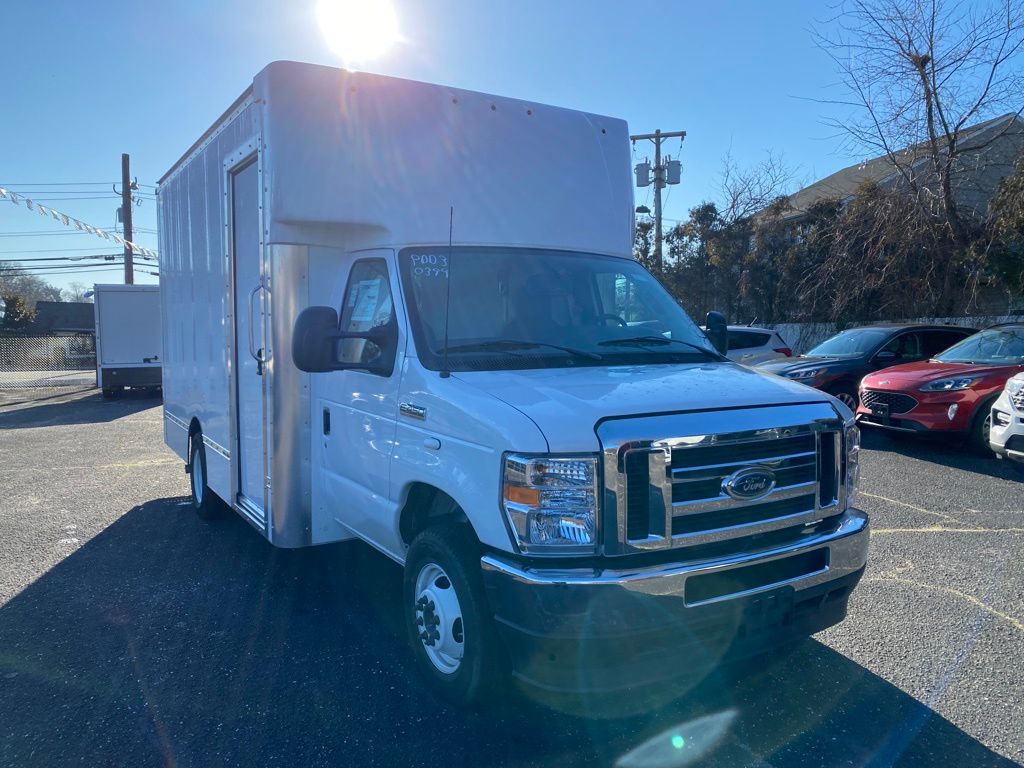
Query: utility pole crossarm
(663, 135)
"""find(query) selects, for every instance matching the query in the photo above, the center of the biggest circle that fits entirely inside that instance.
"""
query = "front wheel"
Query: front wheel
(447, 617)
(981, 426)
(848, 397)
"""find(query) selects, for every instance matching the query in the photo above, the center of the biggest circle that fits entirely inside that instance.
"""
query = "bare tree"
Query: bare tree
(15, 280)
(75, 292)
(921, 73)
(744, 192)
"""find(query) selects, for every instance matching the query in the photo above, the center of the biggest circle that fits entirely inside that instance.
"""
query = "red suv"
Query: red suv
(951, 393)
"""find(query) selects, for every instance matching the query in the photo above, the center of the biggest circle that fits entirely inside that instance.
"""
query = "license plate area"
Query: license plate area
(880, 410)
(707, 587)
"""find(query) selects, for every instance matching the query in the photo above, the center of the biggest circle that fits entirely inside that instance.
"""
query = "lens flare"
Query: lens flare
(358, 30)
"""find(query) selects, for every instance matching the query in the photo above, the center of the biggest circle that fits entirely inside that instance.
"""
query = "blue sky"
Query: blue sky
(737, 76)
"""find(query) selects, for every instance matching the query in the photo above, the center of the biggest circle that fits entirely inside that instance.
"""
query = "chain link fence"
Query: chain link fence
(36, 366)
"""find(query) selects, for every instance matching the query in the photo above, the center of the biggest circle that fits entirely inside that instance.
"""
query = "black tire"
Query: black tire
(977, 437)
(453, 549)
(204, 501)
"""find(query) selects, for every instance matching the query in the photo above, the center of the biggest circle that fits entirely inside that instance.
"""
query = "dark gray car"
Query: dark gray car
(839, 363)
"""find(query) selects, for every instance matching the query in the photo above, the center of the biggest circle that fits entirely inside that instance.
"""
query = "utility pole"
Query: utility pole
(126, 219)
(663, 174)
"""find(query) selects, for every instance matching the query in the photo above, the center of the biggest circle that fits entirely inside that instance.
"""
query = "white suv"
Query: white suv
(1006, 436)
(750, 346)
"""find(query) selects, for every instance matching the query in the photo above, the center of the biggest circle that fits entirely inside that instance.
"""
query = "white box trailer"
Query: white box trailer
(409, 314)
(128, 337)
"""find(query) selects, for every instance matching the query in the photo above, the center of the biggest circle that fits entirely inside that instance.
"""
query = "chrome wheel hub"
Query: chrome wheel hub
(438, 618)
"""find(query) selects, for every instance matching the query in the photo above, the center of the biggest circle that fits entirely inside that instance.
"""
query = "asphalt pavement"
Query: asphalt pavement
(134, 634)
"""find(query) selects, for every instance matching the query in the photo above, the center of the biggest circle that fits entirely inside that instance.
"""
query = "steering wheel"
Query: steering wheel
(616, 318)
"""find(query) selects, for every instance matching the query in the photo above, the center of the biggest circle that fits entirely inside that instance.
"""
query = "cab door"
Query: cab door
(358, 409)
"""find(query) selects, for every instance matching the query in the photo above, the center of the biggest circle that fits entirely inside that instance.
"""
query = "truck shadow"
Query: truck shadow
(944, 451)
(79, 408)
(164, 640)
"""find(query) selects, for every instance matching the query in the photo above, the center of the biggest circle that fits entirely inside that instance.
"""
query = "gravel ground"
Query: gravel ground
(133, 634)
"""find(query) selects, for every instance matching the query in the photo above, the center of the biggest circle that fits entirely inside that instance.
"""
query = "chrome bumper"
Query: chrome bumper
(847, 552)
(618, 629)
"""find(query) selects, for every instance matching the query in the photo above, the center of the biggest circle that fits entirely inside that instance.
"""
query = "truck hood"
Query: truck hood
(566, 403)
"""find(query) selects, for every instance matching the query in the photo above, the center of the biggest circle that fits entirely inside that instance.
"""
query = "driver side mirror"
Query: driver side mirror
(718, 331)
(885, 356)
(318, 346)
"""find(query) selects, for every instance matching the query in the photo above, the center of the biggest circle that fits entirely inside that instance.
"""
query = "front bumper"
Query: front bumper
(931, 414)
(1007, 440)
(588, 630)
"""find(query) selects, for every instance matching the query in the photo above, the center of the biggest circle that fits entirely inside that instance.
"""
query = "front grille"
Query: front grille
(897, 401)
(772, 510)
(1018, 400)
(686, 490)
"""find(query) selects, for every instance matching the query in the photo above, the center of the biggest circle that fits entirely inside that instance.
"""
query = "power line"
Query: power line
(84, 196)
(63, 258)
(49, 250)
(62, 184)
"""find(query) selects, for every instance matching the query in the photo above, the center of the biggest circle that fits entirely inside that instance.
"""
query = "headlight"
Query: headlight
(952, 384)
(851, 442)
(1014, 385)
(805, 374)
(551, 502)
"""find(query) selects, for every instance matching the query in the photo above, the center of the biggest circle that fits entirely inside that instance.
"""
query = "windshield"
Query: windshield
(521, 308)
(996, 346)
(851, 343)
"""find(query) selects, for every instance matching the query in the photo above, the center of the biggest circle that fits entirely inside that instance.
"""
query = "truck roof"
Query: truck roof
(357, 150)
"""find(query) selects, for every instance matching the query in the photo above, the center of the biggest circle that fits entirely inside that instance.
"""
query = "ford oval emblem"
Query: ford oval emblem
(749, 483)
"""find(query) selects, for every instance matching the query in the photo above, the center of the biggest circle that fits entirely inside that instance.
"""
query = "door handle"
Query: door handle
(327, 421)
(257, 354)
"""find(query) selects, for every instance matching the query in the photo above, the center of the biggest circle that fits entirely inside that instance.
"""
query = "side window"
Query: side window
(367, 305)
(939, 341)
(906, 345)
(747, 339)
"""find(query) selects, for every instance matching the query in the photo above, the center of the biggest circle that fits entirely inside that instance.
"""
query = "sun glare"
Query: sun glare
(358, 30)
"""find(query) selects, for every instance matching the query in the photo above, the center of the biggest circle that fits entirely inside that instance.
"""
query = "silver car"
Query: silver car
(749, 345)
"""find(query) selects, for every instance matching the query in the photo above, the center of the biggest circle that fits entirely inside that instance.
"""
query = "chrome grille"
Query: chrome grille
(897, 401)
(1018, 400)
(670, 491)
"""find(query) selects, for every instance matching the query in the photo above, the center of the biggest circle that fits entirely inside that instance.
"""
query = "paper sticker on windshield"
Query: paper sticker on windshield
(431, 265)
(364, 298)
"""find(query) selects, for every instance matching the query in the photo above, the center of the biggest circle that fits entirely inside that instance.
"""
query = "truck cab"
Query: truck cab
(390, 331)
(527, 403)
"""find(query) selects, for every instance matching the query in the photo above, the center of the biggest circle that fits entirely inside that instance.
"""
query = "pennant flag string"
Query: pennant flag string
(71, 221)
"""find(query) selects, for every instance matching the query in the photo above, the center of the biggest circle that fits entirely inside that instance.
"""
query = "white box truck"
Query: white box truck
(128, 337)
(409, 314)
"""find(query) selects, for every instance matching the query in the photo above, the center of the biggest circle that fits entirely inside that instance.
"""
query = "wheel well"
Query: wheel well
(426, 506)
(982, 410)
